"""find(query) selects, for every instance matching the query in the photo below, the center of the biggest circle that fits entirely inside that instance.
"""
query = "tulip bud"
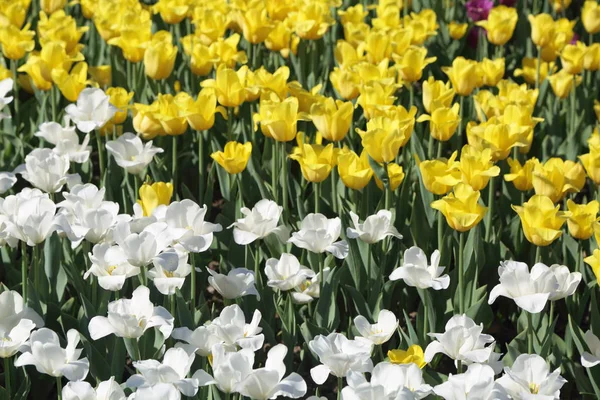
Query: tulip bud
(159, 58)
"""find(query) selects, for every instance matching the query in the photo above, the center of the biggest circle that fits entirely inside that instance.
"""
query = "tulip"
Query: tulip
(282, 39)
(395, 175)
(229, 368)
(521, 175)
(591, 163)
(50, 6)
(145, 122)
(275, 82)
(388, 380)
(7, 181)
(159, 57)
(529, 70)
(498, 135)
(582, 218)
(109, 389)
(500, 24)
(141, 248)
(66, 141)
(562, 83)
(120, 98)
(416, 271)
(441, 175)
(202, 339)
(233, 331)
(30, 217)
(237, 283)
(201, 60)
(224, 52)
(555, 178)
(131, 154)
(278, 119)
(169, 272)
(310, 289)
(590, 16)
(477, 167)
(381, 331)
(493, 71)
(259, 223)
(385, 136)
(316, 161)
(436, 94)
(412, 63)
(597, 109)
(45, 353)
(376, 227)
(332, 118)
(62, 28)
(286, 273)
(461, 341)
(464, 74)
(16, 43)
(346, 82)
(541, 220)
(572, 56)
(318, 234)
(443, 122)
(594, 262)
(414, 354)
(92, 111)
(353, 14)
(477, 383)
(188, 218)
(373, 95)
(13, 311)
(457, 30)
(589, 360)
(110, 266)
(542, 29)
(172, 11)
(338, 356)
(130, 318)
(71, 84)
(229, 85)
(567, 282)
(45, 170)
(154, 195)
(200, 114)
(255, 23)
(312, 20)
(591, 59)
(355, 171)
(530, 373)
(234, 158)
(461, 208)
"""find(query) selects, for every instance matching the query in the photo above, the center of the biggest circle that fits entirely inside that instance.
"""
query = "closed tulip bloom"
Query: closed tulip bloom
(439, 176)
(498, 136)
(131, 154)
(282, 39)
(379, 332)
(171, 114)
(374, 94)
(234, 157)
(521, 175)
(529, 69)
(500, 24)
(582, 218)
(542, 29)
(255, 23)
(71, 84)
(312, 20)
(229, 85)
(590, 16)
(355, 171)
(562, 83)
(154, 195)
(200, 113)
(133, 41)
(591, 163)
(170, 270)
(172, 11)
(541, 220)
(591, 59)
(572, 57)
(316, 161)
(16, 43)
(237, 283)
(145, 122)
(457, 30)
(160, 55)
(477, 167)
(278, 119)
(436, 94)
(464, 74)
(60, 27)
(461, 208)
(395, 177)
(493, 71)
(594, 262)
(201, 60)
(412, 63)
(443, 122)
(332, 118)
(555, 178)
(286, 273)
(49, 6)
(414, 354)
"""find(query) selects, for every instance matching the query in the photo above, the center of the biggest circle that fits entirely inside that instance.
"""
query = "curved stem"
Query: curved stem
(100, 156)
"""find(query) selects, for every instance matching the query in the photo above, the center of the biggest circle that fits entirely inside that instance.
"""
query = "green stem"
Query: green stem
(538, 254)
(16, 117)
(339, 387)
(529, 333)
(284, 173)
(59, 387)
(132, 346)
(274, 167)
(551, 316)
(201, 168)
(36, 268)
(490, 212)
(317, 193)
(461, 289)
(538, 67)
(229, 124)
(440, 232)
(24, 268)
(321, 277)
(174, 164)
(193, 287)
(573, 113)
(439, 149)
(460, 121)
(459, 367)
(369, 255)
(411, 94)
(100, 156)
(7, 378)
(143, 279)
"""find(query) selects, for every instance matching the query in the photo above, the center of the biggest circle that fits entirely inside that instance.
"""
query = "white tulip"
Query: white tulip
(14, 338)
(5, 235)
(188, 217)
(462, 341)
(92, 111)
(416, 271)
(30, 216)
(589, 360)
(381, 331)
(6, 85)
(45, 353)
(7, 181)
(167, 275)
(269, 382)
(202, 339)
(286, 273)
(567, 282)
(65, 140)
(159, 391)
(237, 283)
(107, 390)
(259, 223)
(310, 289)
(530, 374)
(110, 266)
(319, 234)
(229, 369)
(13, 310)
(130, 318)
(173, 371)
(388, 382)
(233, 331)
(375, 228)
(338, 356)
(131, 154)
(45, 170)
(477, 383)
(141, 248)
(529, 290)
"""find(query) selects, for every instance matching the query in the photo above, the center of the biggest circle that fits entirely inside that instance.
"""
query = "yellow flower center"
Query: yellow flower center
(111, 269)
(534, 388)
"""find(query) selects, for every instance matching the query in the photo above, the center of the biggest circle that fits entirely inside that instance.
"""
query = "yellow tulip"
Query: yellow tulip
(272, 82)
(510, 93)
(13, 12)
(477, 167)
(60, 27)
(464, 74)
(316, 161)
(542, 29)
(209, 24)
(278, 119)
(496, 135)
(332, 118)
(49, 6)
(582, 218)
(160, 55)
(354, 14)
(572, 58)
(493, 71)
(563, 34)
(170, 113)
(436, 94)
(557, 177)
(200, 113)
(152, 196)
(412, 63)
(4, 73)
(312, 20)
(102, 75)
(373, 95)
(255, 24)
(172, 11)
(541, 220)
(132, 43)
(520, 120)
(16, 43)
(224, 51)
(71, 83)
(560, 5)
(145, 122)
(306, 98)
(562, 83)
(597, 109)
(500, 24)
(355, 34)
(39, 66)
(590, 16)
(201, 61)
(521, 175)
(377, 47)
(461, 208)
(414, 354)
(120, 98)
(354, 171)
(229, 85)
(283, 40)
(395, 175)
(442, 122)
(457, 30)
(591, 59)
(346, 82)
(528, 70)
(280, 9)
(591, 162)
(385, 135)
(234, 158)
(441, 175)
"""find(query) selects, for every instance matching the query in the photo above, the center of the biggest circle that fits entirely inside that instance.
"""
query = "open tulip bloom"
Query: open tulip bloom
(416, 271)
(319, 234)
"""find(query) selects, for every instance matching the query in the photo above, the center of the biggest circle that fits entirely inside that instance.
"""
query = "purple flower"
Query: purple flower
(575, 39)
(478, 10)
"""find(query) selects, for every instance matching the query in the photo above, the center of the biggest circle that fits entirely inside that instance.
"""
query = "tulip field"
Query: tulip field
(316, 199)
